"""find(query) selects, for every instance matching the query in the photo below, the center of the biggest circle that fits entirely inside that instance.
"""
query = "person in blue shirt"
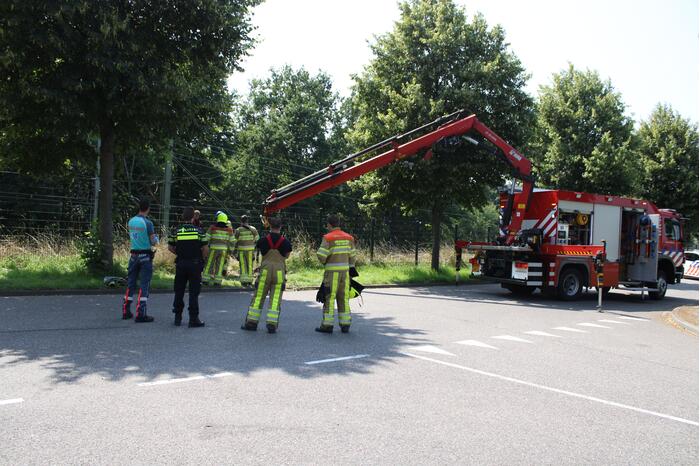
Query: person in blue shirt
(142, 236)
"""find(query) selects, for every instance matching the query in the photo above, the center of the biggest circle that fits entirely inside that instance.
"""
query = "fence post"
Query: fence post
(166, 189)
(371, 241)
(417, 238)
(96, 201)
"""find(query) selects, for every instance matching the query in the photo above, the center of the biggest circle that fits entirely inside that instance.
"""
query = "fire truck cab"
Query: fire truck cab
(568, 237)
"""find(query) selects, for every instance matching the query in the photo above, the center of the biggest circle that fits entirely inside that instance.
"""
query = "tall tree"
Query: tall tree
(583, 140)
(433, 62)
(133, 73)
(288, 126)
(668, 145)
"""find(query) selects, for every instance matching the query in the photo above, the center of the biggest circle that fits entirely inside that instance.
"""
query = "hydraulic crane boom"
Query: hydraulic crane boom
(403, 146)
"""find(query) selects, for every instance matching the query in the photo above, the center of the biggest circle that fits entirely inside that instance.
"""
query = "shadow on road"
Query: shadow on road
(75, 338)
(617, 300)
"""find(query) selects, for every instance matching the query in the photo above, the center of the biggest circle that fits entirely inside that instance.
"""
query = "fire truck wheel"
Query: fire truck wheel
(570, 285)
(521, 290)
(661, 285)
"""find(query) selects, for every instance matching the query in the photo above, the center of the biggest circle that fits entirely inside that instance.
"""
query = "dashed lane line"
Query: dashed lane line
(569, 329)
(588, 324)
(511, 338)
(344, 358)
(556, 390)
(185, 379)
(539, 333)
(638, 319)
(610, 321)
(475, 343)
(11, 401)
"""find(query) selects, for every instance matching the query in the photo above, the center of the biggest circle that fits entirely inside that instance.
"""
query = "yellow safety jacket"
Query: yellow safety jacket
(337, 251)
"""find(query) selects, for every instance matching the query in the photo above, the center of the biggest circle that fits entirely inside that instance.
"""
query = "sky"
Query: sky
(648, 49)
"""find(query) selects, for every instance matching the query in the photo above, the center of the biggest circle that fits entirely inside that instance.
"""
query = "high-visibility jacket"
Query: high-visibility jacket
(337, 251)
(220, 238)
(246, 237)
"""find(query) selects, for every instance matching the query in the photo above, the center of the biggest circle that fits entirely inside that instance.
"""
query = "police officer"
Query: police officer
(275, 250)
(337, 254)
(189, 244)
(142, 236)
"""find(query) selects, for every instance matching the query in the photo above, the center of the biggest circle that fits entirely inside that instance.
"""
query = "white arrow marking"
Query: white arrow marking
(475, 343)
(586, 324)
(542, 334)
(431, 349)
(569, 329)
(512, 338)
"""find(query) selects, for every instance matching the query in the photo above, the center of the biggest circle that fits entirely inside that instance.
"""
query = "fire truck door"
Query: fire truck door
(646, 261)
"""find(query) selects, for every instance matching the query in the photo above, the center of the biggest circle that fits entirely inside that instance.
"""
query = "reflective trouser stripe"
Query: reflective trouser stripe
(273, 314)
(256, 305)
(329, 308)
(344, 317)
(215, 266)
(246, 262)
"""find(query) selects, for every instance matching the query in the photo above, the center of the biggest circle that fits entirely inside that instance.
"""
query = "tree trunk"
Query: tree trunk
(106, 227)
(436, 218)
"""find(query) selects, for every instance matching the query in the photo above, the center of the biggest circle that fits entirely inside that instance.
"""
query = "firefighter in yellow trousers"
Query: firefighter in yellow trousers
(220, 239)
(337, 254)
(275, 250)
(245, 238)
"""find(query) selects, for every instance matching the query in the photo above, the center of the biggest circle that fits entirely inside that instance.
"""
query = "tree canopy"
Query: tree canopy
(131, 73)
(433, 62)
(668, 146)
(583, 139)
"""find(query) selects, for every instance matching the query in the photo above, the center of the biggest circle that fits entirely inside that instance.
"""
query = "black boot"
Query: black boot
(345, 328)
(141, 315)
(195, 322)
(250, 326)
(271, 328)
(178, 318)
(324, 329)
(126, 310)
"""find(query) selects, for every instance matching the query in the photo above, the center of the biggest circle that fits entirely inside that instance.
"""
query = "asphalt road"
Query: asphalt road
(439, 375)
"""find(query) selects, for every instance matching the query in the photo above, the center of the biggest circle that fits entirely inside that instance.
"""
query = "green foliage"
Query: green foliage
(135, 73)
(583, 140)
(433, 62)
(90, 249)
(287, 127)
(668, 146)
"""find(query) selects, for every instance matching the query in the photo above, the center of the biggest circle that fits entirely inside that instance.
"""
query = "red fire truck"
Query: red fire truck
(564, 233)
(557, 241)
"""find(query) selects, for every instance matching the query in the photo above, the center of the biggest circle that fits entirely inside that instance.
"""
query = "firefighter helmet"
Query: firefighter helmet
(221, 217)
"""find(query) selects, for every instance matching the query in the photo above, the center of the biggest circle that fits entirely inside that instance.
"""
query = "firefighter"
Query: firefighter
(337, 254)
(142, 236)
(196, 221)
(246, 237)
(188, 243)
(219, 237)
(275, 250)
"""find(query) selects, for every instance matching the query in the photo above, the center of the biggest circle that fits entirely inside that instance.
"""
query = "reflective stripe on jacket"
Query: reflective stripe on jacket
(337, 251)
(246, 237)
(219, 238)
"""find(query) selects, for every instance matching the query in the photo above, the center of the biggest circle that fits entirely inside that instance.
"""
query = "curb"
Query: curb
(120, 291)
(686, 325)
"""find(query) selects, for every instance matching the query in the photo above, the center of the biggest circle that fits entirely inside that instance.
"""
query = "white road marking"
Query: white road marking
(431, 349)
(612, 321)
(511, 338)
(555, 390)
(185, 379)
(569, 329)
(587, 324)
(475, 343)
(542, 334)
(344, 358)
(12, 401)
(632, 318)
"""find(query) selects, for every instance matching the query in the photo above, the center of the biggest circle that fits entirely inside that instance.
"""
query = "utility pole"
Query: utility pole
(166, 188)
(96, 201)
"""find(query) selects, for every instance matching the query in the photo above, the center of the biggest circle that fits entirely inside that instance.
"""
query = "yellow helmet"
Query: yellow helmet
(221, 217)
